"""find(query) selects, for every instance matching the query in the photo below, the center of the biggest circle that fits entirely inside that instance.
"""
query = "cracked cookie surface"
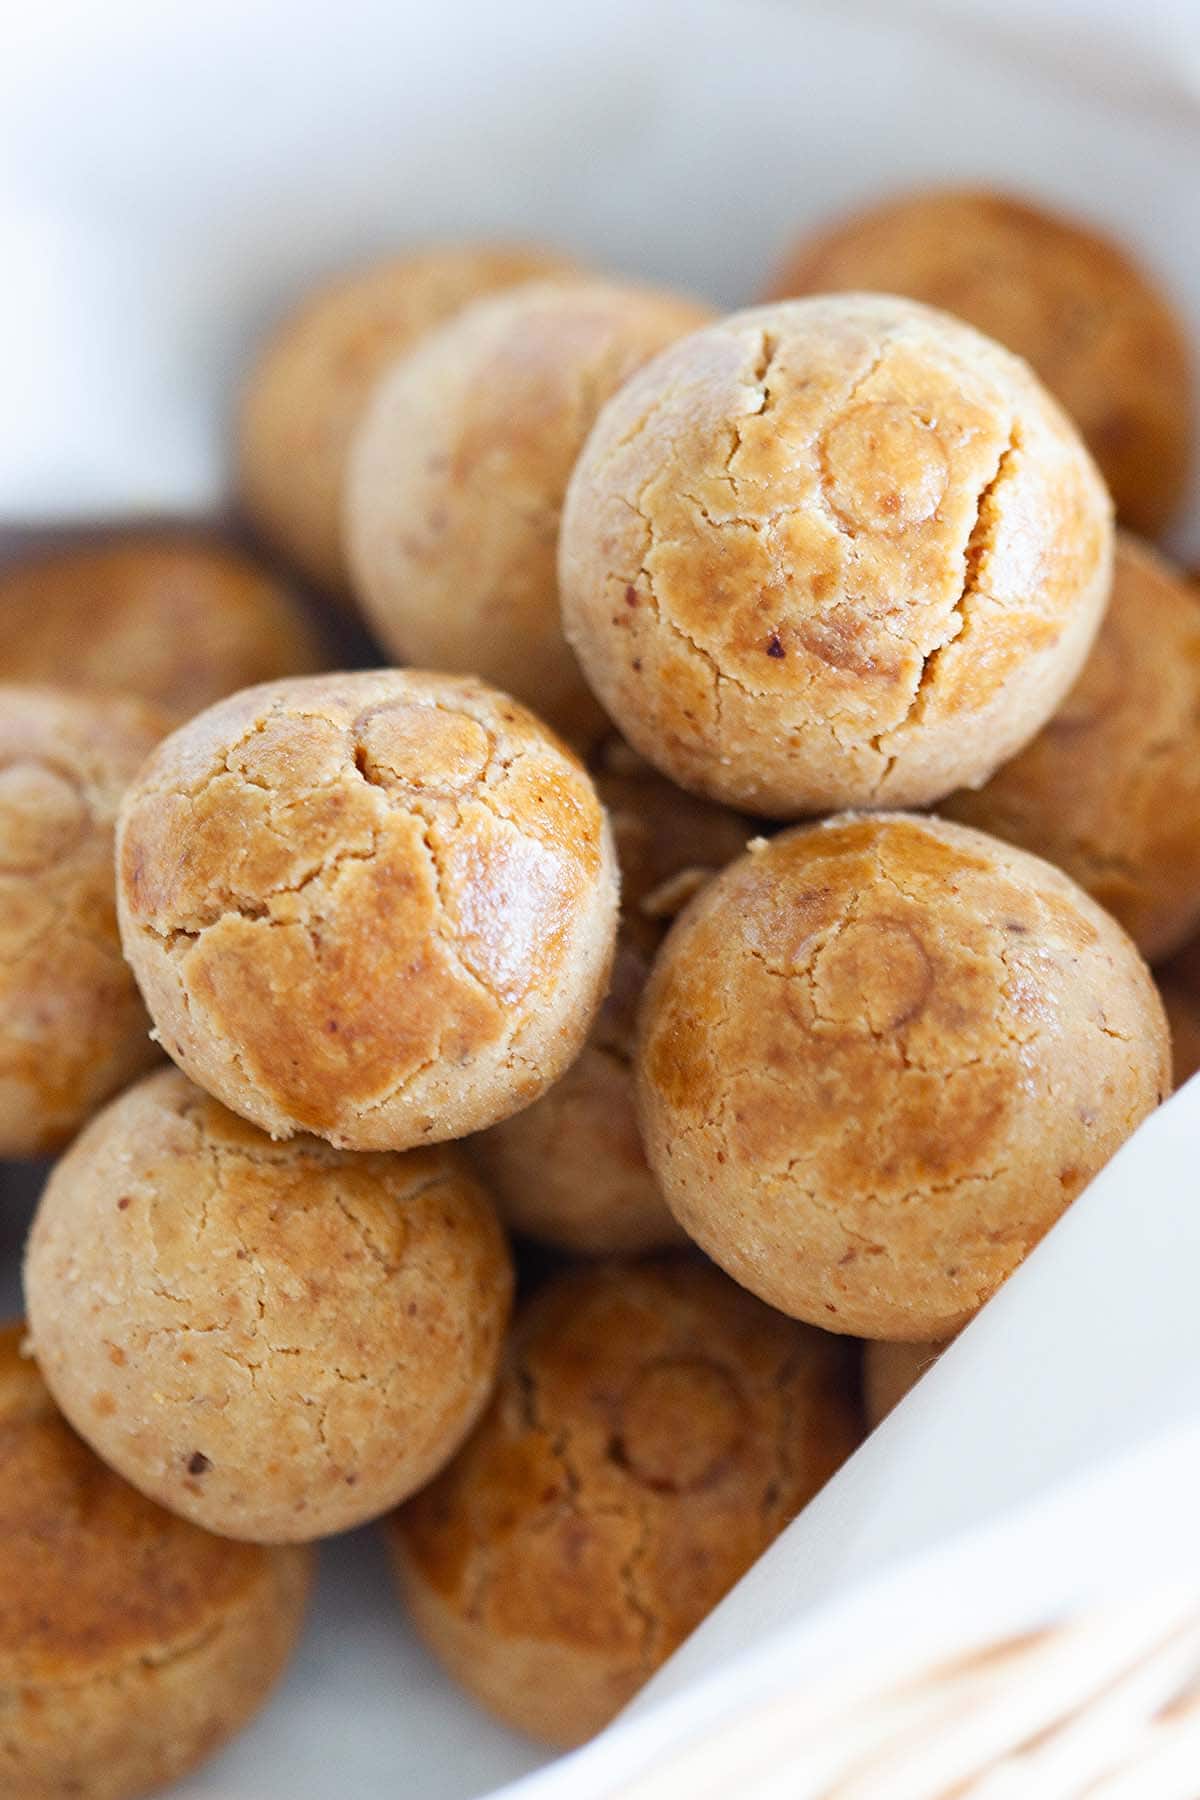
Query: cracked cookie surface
(276, 1341)
(132, 1644)
(72, 1025)
(177, 617)
(834, 552)
(379, 907)
(654, 1429)
(458, 473)
(315, 375)
(570, 1169)
(1110, 788)
(879, 1056)
(1091, 323)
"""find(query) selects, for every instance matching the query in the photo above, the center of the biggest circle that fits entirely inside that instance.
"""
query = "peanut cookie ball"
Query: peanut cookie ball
(655, 1428)
(1094, 325)
(276, 1341)
(1182, 1003)
(834, 552)
(457, 478)
(890, 1371)
(879, 1057)
(315, 374)
(1110, 788)
(379, 907)
(570, 1169)
(72, 1025)
(132, 1645)
(179, 618)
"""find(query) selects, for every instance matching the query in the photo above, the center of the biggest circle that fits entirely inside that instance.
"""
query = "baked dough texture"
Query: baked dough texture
(890, 1371)
(834, 552)
(458, 472)
(1110, 788)
(1179, 985)
(379, 907)
(312, 380)
(132, 1645)
(174, 616)
(655, 1428)
(878, 1058)
(276, 1341)
(570, 1169)
(1094, 326)
(72, 1025)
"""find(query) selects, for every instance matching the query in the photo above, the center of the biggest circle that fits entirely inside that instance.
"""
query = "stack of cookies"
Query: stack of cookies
(739, 888)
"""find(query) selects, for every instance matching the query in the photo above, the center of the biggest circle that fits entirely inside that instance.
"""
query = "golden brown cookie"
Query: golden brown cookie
(890, 1371)
(879, 1057)
(458, 472)
(175, 616)
(132, 1645)
(834, 552)
(654, 1429)
(313, 377)
(379, 907)
(277, 1341)
(570, 1169)
(1182, 1002)
(1110, 788)
(1094, 325)
(72, 1025)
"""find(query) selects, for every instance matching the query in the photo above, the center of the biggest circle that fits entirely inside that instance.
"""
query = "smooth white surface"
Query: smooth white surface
(169, 177)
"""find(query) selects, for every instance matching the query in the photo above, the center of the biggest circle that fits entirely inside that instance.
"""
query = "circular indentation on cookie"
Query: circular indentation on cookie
(43, 816)
(885, 467)
(681, 1423)
(875, 969)
(421, 747)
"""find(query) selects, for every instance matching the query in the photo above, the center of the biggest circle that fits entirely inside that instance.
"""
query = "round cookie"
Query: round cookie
(458, 472)
(1182, 1005)
(72, 1025)
(379, 907)
(879, 1057)
(1094, 325)
(312, 379)
(277, 1341)
(570, 1169)
(834, 552)
(132, 1645)
(654, 1429)
(1110, 788)
(174, 616)
(890, 1371)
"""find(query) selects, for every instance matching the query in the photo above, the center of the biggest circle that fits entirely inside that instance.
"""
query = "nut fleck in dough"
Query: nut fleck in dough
(570, 1169)
(890, 1371)
(379, 906)
(1110, 788)
(655, 1428)
(314, 376)
(457, 477)
(176, 617)
(276, 1341)
(879, 1057)
(132, 1645)
(72, 1025)
(1093, 325)
(834, 552)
